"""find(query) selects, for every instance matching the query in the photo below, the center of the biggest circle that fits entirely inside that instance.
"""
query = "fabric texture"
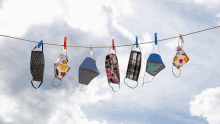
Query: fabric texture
(181, 58)
(154, 64)
(37, 65)
(87, 71)
(112, 69)
(61, 67)
(134, 65)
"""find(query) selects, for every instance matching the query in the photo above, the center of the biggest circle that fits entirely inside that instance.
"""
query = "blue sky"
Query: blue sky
(190, 99)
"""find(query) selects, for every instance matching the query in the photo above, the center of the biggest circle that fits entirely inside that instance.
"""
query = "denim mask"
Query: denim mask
(87, 71)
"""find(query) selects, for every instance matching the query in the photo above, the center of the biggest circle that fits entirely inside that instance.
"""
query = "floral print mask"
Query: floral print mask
(112, 69)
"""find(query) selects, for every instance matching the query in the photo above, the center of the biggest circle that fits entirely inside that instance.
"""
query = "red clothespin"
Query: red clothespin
(65, 38)
(113, 45)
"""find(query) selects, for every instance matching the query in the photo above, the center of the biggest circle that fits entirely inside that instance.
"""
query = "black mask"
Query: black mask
(37, 66)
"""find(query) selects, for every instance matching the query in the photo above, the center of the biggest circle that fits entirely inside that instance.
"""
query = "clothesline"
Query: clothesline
(110, 46)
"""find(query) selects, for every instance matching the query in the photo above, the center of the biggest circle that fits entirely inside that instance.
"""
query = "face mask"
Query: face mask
(154, 63)
(134, 66)
(61, 67)
(181, 58)
(112, 69)
(37, 66)
(87, 71)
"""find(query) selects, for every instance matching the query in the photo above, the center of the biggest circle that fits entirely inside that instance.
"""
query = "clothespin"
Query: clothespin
(40, 43)
(113, 45)
(155, 38)
(65, 38)
(91, 49)
(182, 41)
(136, 41)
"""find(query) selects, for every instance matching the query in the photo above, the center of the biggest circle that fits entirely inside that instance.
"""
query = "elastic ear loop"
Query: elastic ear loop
(110, 49)
(125, 77)
(174, 74)
(53, 82)
(34, 86)
(112, 87)
(158, 48)
(148, 81)
(32, 79)
(81, 90)
(61, 51)
(131, 87)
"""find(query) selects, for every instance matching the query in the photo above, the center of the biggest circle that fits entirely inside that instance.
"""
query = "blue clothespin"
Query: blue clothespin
(155, 38)
(40, 43)
(136, 41)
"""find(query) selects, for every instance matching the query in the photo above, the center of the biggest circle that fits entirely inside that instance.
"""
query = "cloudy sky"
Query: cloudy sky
(193, 98)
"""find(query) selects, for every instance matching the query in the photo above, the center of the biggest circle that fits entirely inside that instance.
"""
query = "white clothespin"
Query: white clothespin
(91, 49)
(182, 41)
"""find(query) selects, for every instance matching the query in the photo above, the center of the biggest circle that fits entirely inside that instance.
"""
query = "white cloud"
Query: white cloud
(216, 2)
(8, 107)
(25, 13)
(69, 112)
(87, 17)
(172, 44)
(207, 105)
(208, 3)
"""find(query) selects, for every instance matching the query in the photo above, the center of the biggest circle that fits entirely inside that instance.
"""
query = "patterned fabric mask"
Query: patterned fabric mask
(112, 69)
(87, 71)
(134, 66)
(37, 66)
(180, 58)
(61, 67)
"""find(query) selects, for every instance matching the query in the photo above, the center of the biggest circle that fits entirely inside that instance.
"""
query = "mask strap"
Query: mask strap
(110, 49)
(156, 43)
(178, 42)
(61, 51)
(148, 81)
(112, 87)
(78, 88)
(131, 87)
(133, 46)
(57, 85)
(174, 74)
(34, 86)
(38, 46)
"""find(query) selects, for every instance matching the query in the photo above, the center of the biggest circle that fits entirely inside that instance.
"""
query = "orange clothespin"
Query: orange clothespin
(65, 38)
(113, 45)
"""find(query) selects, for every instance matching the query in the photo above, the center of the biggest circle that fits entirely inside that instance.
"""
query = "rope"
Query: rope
(110, 46)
